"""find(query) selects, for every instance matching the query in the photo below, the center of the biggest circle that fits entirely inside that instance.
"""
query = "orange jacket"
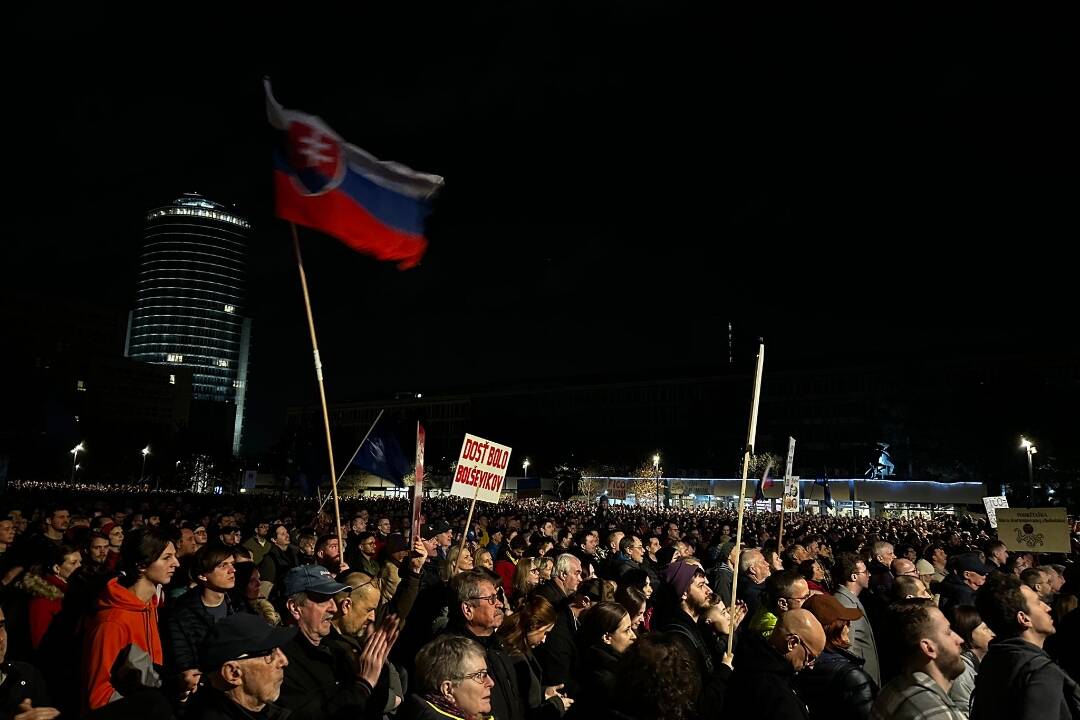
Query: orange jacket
(121, 619)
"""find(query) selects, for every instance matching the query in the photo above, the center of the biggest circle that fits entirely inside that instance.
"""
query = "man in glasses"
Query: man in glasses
(786, 591)
(763, 684)
(244, 666)
(477, 614)
(853, 577)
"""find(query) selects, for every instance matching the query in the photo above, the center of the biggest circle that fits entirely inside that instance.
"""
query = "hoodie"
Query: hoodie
(1018, 680)
(121, 620)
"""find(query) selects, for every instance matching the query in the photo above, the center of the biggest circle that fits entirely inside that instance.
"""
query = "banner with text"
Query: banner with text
(481, 469)
(1034, 529)
(617, 489)
(992, 504)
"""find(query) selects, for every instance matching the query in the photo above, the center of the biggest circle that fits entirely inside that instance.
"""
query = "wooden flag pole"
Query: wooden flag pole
(750, 438)
(780, 535)
(322, 389)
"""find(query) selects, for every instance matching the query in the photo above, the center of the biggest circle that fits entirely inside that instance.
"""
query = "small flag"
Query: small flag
(381, 455)
(763, 484)
(322, 182)
(824, 482)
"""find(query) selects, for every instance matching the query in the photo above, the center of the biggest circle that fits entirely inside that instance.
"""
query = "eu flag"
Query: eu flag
(381, 455)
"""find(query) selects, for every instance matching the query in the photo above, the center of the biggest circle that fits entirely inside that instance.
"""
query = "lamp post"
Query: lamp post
(75, 459)
(1030, 449)
(525, 467)
(145, 453)
(656, 469)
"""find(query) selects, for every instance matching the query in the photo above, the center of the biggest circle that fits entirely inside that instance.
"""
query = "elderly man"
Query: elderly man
(763, 685)
(753, 572)
(558, 654)
(321, 683)
(930, 656)
(476, 615)
(968, 575)
(243, 668)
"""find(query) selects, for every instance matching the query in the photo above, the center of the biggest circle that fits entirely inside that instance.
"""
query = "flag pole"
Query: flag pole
(750, 438)
(783, 512)
(322, 389)
(361, 445)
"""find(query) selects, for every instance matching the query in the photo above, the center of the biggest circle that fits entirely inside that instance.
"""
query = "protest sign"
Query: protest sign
(1034, 529)
(991, 504)
(481, 469)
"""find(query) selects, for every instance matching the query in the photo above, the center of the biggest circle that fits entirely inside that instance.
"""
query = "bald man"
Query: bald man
(763, 685)
(902, 567)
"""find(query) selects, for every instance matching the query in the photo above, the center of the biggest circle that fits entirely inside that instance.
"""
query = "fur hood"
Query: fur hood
(49, 587)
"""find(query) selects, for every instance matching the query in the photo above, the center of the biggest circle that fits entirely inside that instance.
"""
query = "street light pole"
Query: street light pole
(75, 460)
(1030, 449)
(656, 468)
(145, 453)
(525, 467)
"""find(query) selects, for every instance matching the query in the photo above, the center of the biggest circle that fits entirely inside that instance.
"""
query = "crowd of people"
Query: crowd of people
(188, 606)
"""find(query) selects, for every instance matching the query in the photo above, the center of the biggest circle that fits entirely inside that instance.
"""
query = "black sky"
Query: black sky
(622, 179)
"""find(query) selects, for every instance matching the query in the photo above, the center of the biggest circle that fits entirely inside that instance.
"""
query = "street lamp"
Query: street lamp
(525, 467)
(656, 469)
(75, 459)
(145, 453)
(1030, 449)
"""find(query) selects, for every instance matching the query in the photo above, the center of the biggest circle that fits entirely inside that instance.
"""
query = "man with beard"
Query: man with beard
(1038, 579)
(1017, 679)
(321, 683)
(477, 614)
(930, 655)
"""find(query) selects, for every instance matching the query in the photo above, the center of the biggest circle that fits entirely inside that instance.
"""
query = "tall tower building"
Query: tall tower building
(190, 302)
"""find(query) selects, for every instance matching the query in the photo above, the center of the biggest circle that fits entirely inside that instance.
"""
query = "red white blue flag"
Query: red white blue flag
(324, 183)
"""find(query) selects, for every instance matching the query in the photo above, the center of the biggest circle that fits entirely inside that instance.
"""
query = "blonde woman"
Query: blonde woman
(464, 563)
(482, 559)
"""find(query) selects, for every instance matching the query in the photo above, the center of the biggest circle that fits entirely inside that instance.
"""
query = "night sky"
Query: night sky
(622, 179)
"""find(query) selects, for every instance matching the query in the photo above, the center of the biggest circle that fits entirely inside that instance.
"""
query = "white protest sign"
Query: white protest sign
(790, 456)
(991, 504)
(1034, 529)
(791, 493)
(617, 489)
(481, 469)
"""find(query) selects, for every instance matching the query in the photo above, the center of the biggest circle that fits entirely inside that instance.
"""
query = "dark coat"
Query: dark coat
(320, 684)
(596, 683)
(506, 697)
(558, 654)
(837, 687)
(954, 591)
(187, 624)
(704, 647)
(528, 672)
(211, 704)
(1019, 681)
(22, 682)
(276, 564)
(765, 684)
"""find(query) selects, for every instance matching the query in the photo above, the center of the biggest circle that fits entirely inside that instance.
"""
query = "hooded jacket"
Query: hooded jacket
(46, 601)
(122, 619)
(1019, 681)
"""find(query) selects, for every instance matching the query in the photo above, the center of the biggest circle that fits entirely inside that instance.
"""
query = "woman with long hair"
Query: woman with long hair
(814, 573)
(605, 634)
(482, 559)
(836, 687)
(969, 625)
(526, 577)
(520, 633)
(47, 587)
(635, 603)
(128, 611)
(462, 558)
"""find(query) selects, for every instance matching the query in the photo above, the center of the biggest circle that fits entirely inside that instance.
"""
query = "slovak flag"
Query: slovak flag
(324, 183)
(765, 483)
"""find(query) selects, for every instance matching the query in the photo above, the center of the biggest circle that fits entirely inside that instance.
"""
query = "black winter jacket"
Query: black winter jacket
(837, 687)
(764, 684)
(1019, 681)
(186, 626)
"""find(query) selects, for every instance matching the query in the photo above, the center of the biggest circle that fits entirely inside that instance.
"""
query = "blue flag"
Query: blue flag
(381, 455)
(824, 482)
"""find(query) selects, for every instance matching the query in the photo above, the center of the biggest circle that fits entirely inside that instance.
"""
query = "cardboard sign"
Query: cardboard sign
(418, 485)
(617, 489)
(991, 504)
(791, 493)
(481, 469)
(1034, 529)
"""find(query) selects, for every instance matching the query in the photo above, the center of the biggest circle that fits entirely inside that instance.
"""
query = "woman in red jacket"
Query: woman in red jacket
(128, 611)
(47, 590)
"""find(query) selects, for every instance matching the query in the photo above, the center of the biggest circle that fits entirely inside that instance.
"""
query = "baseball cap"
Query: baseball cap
(238, 636)
(969, 562)
(433, 528)
(312, 578)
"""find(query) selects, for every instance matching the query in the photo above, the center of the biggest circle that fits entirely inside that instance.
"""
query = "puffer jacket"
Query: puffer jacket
(46, 600)
(837, 687)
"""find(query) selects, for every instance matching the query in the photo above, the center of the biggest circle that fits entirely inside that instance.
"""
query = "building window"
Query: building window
(174, 357)
(80, 386)
(223, 363)
(172, 379)
(230, 308)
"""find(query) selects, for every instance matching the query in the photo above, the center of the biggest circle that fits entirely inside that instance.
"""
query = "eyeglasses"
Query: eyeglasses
(491, 600)
(811, 658)
(480, 676)
(804, 598)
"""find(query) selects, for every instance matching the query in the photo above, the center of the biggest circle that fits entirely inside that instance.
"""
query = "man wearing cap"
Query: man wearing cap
(243, 668)
(686, 595)
(438, 530)
(837, 686)
(968, 575)
(322, 683)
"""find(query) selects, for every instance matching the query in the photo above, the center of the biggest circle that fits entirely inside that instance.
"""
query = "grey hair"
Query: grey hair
(878, 547)
(466, 585)
(748, 558)
(444, 659)
(564, 562)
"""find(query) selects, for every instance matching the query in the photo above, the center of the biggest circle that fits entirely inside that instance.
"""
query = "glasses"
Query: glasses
(491, 600)
(811, 658)
(480, 676)
(804, 598)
